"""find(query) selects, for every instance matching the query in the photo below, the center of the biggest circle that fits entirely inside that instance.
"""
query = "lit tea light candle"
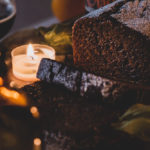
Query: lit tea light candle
(26, 60)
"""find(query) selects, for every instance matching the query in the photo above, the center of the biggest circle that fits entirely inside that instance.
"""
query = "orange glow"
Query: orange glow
(34, 111)
(1, 81)
(37, 142)
(12, 97)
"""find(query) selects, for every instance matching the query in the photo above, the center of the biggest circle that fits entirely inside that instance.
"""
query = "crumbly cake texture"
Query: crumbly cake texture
(108, 44)
(72, 122)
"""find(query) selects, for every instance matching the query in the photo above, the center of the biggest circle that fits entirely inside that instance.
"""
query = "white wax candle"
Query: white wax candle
(24, 66)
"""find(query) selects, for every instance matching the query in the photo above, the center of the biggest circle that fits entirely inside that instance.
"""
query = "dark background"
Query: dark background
(30, 12)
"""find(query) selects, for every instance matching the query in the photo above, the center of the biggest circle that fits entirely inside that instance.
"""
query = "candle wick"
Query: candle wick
(32, 57)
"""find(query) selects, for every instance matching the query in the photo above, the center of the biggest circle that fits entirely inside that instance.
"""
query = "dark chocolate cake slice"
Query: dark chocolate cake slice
(71, 122)
(88, 85)
(114, 41)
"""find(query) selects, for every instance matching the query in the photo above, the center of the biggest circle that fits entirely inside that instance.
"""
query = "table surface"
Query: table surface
(32, 13)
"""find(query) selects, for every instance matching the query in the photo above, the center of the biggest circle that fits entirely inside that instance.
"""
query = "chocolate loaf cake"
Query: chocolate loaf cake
(91, 86)
(114, 41)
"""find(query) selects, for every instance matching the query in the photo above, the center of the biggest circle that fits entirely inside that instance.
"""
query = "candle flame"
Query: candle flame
(30, 51)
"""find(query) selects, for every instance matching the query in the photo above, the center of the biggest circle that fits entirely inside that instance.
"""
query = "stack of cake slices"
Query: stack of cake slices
(111, 52)
(111, 72)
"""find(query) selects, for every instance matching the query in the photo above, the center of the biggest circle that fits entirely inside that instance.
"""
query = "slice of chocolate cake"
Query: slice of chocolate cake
(91, 86)
(71, 122)
(114, 41)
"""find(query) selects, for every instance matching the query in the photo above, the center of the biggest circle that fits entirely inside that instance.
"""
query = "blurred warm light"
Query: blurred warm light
(37, 142)
(34, 111)
(12, 97)
(1, 81)
(12, 84)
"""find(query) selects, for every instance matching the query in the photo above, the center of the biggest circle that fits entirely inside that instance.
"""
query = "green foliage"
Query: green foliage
(59, 36)
(136, 121)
